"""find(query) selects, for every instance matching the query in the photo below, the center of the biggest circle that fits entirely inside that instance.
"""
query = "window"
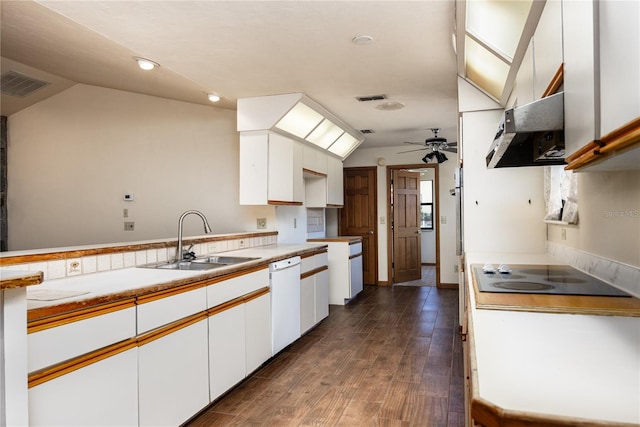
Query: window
(426, 205)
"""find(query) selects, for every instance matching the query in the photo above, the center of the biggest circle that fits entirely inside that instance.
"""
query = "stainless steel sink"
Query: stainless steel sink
(207, 263)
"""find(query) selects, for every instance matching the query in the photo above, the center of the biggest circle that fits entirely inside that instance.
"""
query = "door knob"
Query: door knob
(370, 231)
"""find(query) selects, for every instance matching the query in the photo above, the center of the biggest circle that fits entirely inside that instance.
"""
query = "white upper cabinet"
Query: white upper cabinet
(602, 84)
(270, 169)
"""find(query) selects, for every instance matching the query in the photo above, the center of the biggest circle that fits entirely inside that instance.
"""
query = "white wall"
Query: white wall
(609, 217)
(503, 208)
(369, 157)
(72, 157)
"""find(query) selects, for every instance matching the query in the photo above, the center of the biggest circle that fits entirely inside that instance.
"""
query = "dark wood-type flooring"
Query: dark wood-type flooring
(392, 357)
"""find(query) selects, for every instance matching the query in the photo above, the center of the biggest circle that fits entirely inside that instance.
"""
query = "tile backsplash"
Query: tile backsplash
(623, 276)
(60, 268)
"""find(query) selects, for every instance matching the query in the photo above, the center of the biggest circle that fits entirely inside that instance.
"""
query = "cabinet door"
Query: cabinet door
(173, 383)
(307, 303)
(322, 295)
(254, 154)
(580, 119)
(257, 331)
(355, 274)
(100, 394)
(619, 63)
(227, 362)
(335, 180)
(547, 46)
(285, 182)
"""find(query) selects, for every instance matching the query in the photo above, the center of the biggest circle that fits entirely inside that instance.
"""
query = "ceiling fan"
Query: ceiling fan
(437, 145)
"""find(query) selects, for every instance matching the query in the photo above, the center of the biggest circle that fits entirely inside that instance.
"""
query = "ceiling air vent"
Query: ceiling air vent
(17, 84)
(371, 98)
(367, 131)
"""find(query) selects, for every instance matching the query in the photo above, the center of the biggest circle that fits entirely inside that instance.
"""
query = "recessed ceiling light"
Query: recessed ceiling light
(390, 105)
(146, 64)
(214, 97)
(362, 40)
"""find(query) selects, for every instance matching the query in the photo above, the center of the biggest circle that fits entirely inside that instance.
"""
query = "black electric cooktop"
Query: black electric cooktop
(541, 279)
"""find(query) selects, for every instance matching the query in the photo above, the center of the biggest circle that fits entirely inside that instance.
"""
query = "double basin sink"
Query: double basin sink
(205, 263)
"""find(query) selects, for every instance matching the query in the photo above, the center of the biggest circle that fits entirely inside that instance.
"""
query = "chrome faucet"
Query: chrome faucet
(207, 229)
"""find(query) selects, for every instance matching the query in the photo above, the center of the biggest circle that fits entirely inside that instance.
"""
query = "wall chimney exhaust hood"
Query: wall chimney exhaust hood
(297, 116)
(530, 135)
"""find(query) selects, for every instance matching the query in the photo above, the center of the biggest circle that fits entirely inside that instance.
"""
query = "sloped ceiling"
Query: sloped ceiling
(250, 48)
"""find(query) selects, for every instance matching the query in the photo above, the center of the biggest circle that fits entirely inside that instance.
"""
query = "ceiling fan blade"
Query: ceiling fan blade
(414, 143)
(411, 151)
(452, 144)
(450, 150)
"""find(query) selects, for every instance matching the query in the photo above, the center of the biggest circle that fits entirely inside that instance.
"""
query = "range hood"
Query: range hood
(530, 135)
(297, 116)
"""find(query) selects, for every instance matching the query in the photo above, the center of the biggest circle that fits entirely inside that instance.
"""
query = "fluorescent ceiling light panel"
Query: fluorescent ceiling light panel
(300, 120)
(498, 23)
(344, 145)
(325, 134)
(485, 69)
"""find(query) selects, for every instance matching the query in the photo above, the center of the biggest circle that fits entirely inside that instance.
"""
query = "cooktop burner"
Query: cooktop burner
(542, 279)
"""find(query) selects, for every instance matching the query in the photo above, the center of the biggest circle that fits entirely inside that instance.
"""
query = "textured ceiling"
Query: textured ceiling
(251, 48)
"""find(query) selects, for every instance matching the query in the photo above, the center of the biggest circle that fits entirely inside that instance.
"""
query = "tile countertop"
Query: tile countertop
(558, 365)
(109, 286)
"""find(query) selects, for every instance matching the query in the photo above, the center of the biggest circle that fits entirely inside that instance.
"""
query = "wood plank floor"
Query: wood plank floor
(392, 357)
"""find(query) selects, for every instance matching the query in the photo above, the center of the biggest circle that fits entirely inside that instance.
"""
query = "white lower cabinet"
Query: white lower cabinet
(355, 275)
(314, 291)
(99, 394)
(227, 349)
(173, 379)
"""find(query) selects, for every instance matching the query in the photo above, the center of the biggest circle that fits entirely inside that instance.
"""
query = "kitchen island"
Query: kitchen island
(144, 346)
(551, 369)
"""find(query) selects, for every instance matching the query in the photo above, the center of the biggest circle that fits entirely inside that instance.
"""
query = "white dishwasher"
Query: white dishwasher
(284, 277)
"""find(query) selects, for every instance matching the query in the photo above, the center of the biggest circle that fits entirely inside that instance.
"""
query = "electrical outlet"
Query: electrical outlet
(295, 222)
(563, 234)
(242, 244)
(261, 223)
(125, 213)
(129, 225)
(455, 268)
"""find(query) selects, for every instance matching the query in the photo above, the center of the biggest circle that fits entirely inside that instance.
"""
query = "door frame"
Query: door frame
(436, 216)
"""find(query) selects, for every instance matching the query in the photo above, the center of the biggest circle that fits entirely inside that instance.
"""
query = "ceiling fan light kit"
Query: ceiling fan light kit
(437, 144)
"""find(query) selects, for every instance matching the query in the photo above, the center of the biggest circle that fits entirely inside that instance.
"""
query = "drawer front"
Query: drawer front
(355, 249)
(321, 259)
(307, 264)
(235, 287)
(50, 346)
(163, 311)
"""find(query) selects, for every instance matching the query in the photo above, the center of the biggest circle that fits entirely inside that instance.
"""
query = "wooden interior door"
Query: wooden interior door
(407, 263)
(358, 216)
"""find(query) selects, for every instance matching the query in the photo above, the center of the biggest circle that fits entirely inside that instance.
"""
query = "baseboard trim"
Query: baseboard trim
(448, 285)
(384, 283)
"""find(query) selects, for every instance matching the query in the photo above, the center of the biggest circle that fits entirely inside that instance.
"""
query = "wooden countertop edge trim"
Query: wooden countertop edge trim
(310, 254)
(77, 253)
(313, 272)
(43, 323)
(22, 281)
(163, 331)
(488, 414)
(350, 239)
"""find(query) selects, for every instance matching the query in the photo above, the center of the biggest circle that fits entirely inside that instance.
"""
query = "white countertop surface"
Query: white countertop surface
(127, 279)
(577, 366)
